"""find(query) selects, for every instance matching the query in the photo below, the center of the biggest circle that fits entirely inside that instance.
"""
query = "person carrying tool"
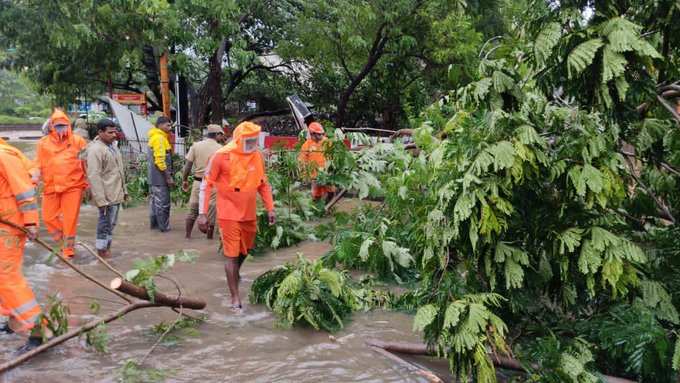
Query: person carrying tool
(106, 174)
(237, 172)
(63, 176)
(312, 159)
(197, 158)
(18, 204)
(159, 157)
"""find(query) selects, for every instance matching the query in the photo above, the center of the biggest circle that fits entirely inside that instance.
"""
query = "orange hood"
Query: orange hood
(243, 130)
(59, 118)
(246, 169)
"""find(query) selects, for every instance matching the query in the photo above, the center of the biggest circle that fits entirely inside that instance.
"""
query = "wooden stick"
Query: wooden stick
(100, 259)
(74, 333)
(335, 200)
(427, 374)
(67, 262)
(499, 361)
(126, 287)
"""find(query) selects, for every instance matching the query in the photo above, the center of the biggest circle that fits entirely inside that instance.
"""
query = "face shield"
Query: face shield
(249, 144)
(61, 130)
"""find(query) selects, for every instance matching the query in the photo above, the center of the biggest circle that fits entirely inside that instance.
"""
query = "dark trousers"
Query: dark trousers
(159, 208)
(108, 216)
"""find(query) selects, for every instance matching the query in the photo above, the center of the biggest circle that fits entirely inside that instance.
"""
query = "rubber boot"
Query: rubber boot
(4, 328)
(189, 226)
(211, 231)
(32, 343)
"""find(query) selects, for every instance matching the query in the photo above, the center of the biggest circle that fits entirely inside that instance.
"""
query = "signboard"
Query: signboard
(136, 102)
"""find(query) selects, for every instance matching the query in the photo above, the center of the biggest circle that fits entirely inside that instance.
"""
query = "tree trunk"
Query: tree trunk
(161, 299)
(498, 361)
(376, 52)
(214, 86)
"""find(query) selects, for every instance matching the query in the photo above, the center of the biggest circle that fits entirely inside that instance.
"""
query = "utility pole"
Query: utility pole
(165, 84)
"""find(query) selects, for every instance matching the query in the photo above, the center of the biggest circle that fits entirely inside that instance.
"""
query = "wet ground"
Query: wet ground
(229, 347)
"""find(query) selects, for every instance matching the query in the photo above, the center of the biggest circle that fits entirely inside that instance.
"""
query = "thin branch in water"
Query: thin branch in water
(100, 259)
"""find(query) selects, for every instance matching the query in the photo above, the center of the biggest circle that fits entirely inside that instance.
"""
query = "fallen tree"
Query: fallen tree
(499, 361)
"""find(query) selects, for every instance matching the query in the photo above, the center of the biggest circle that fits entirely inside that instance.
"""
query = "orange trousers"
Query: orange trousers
(237, 237)
(16, 298)
(60, 213)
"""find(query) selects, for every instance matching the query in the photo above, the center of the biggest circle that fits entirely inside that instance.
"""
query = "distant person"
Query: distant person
(63, 176)
(19, 204)
(159, 157)
(237, 172)
(312, 158)
(106, 174)
(80, 127)
(197, 159)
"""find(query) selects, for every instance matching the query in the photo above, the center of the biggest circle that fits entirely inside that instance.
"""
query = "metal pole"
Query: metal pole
(134, 125)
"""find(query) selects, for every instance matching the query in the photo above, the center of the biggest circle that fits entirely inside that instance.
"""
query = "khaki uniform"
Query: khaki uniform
(199, 155)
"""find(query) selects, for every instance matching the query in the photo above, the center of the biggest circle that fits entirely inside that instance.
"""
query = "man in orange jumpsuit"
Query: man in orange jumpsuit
(312, 159)
(237, 171)
(18, 205)
(28, 164)
(63, 177)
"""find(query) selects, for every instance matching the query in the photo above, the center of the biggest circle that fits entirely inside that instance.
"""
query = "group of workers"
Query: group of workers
(225, 182)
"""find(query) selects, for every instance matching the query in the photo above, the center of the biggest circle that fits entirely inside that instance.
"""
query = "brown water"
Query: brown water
(230, 348)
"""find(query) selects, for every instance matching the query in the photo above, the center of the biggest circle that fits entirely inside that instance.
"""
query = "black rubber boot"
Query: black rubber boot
(5, 329)
(32, 343)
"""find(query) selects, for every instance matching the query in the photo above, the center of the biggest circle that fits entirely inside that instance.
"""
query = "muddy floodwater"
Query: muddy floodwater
(228, 348)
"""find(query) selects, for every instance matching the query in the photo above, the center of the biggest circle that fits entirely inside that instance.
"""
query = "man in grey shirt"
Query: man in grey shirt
(106, 174)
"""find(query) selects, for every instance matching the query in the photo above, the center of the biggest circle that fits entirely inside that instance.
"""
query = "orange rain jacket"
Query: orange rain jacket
(311, 156)
(238, 177)
(29, 165)
(58, 159)
(18, 205)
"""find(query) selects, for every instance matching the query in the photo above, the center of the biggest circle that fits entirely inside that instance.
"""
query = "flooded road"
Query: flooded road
(229, 347)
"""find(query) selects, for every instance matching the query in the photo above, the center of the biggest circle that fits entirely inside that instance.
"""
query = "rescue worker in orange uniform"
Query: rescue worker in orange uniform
(237, 171)
(29, 165)
(312, 159)
(63, 175)
(18, 205)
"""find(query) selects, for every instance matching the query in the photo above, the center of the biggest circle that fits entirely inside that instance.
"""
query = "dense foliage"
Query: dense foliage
(542, 196)
(306, 292)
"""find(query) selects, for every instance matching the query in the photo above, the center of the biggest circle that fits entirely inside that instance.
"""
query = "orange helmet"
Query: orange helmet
(315, 127)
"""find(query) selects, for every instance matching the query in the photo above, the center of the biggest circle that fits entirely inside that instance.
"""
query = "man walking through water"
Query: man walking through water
(63, 176)
(197, 158)
(237, 171)
(106, 174)
(159, 157)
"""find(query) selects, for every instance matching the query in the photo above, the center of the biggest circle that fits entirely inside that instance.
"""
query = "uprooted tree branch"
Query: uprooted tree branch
(136, 297)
